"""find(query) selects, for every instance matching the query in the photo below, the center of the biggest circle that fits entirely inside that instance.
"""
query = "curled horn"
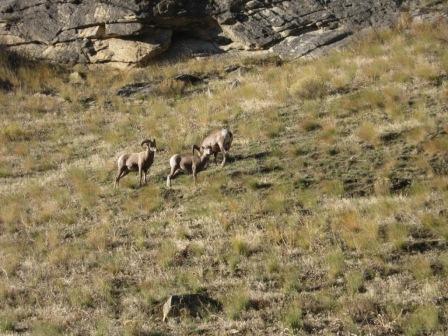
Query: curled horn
(145, 141)
(197, 148)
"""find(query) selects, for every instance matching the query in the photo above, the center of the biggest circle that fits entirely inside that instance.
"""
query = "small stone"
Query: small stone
(253, 4)
(76, 78)
(234, 83)
(231, 68)
(142, 87)
(5, 85)
(188, 78)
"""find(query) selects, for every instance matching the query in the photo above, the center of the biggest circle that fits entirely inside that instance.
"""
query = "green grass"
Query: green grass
(329, 217)
(293, 318)
(238, 302)
(424, 319)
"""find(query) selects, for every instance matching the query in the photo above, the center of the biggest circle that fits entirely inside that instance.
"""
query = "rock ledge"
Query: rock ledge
(131, 32)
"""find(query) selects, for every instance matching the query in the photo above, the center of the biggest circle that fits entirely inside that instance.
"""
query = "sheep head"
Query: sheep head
(151, 143)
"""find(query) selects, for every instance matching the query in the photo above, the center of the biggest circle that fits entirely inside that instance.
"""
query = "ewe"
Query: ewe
(189, 163)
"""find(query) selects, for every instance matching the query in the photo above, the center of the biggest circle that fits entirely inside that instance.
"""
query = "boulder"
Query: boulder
(193, 305)
(76, 78)
(125, 52)
(64, 53)
(130, 89)
(188, 78)
(297, 46)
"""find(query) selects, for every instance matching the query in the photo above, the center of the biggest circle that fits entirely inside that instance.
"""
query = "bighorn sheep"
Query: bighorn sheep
(219, 141)
(190, 163)
(137, 161)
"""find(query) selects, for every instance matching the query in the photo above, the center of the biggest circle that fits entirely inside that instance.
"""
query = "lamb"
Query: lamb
(220, 141)
(190, 163)
(137, 161)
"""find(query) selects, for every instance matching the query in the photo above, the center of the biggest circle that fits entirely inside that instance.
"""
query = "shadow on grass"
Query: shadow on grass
(257, 156)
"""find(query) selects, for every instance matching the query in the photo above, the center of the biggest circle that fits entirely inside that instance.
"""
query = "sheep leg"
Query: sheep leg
(216, 157)
(117, 179)
(194, 174)
(125, 173)
(140, 175)
(173, 173)
(178, 170)
(168, 181)
(224, 154)
(121, 173)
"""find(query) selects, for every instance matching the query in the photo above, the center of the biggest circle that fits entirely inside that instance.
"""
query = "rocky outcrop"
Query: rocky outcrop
(193, 305)
(130, 32)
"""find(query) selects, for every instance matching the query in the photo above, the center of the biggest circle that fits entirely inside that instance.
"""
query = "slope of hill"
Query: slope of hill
(331, 216)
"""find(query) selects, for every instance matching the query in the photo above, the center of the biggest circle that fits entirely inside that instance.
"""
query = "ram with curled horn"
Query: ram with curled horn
(140, 162)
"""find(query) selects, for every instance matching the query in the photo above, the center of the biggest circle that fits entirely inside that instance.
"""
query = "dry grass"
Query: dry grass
(330, 216)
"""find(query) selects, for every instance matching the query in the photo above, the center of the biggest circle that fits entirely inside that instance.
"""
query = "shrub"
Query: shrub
(354, 281)
(310, 88)
(293, 318)
(171, 87)
(423, 320)
(238, 301)
(335, 262)
(367, 132)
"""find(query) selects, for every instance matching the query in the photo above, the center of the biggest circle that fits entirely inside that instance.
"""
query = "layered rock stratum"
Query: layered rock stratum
(131, 32)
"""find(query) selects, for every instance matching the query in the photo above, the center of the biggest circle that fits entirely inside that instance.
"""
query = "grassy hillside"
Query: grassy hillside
(331, 215)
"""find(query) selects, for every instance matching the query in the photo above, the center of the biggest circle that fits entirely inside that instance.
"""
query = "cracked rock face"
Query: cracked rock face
(130, 32)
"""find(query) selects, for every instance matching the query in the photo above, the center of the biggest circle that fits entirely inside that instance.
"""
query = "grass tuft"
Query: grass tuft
(423, 320)
(237, 303)
(293, 318)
